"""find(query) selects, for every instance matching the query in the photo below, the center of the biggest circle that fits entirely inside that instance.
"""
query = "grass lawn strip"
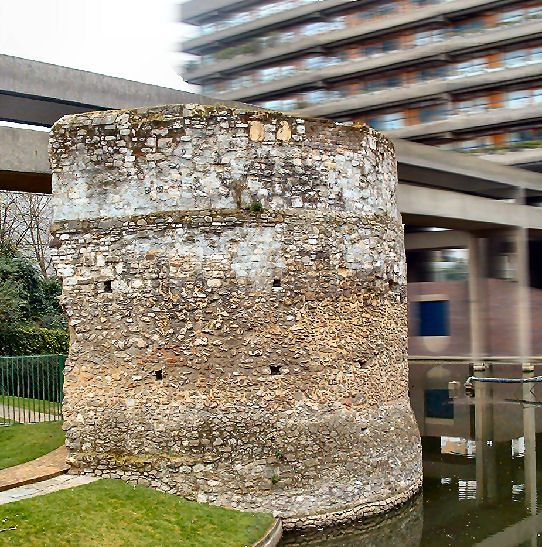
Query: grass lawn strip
(20, 443)
(113, 513)
(35, 405)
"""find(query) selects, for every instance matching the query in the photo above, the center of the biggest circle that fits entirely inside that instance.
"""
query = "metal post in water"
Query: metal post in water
(529, 434)
(486, 463)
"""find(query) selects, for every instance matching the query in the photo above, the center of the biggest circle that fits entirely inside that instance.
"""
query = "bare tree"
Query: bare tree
(25, 221)
(11, 230)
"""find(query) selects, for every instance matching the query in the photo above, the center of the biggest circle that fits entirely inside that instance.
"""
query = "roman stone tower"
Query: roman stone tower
(235, 286)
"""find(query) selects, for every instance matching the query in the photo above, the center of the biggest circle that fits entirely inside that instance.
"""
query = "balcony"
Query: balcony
(469, 124)
(385, 62)
(433, 89)
(416, 17)
(254, 27)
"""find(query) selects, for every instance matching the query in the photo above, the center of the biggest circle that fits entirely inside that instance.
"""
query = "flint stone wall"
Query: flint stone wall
(250, 358)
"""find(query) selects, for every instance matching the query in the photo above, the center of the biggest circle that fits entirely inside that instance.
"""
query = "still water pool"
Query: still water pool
(481, 478)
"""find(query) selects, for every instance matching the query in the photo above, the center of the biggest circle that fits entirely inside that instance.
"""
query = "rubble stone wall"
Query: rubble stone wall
(235, 286)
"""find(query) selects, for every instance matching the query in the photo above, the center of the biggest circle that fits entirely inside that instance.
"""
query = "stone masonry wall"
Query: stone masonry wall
(235, 286)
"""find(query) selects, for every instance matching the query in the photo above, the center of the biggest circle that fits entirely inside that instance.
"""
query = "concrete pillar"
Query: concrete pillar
(478, 298)
(519, 254)
(486, 460)
(523, 309)
(500, 254)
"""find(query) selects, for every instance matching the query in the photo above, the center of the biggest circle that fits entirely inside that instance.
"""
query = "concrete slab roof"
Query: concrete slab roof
(41, 93)
(429, 166)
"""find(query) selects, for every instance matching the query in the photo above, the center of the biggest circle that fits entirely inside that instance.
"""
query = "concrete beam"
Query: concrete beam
(422, 164)
(518, 157)
(422, 206)
(24, 150)
(426, 241)
(41, 93)
(24, 160)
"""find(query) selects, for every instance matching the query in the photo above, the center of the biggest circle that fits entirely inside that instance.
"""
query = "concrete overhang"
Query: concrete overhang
(420, 164)
(527, 159)
(24, 160)
(432, 90)
(41, 93)
(433, 240)
(467, 125)
(416, 17)
(431, 207)
(409, 57)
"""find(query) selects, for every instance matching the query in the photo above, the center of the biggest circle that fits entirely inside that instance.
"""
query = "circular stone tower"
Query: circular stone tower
(235, 286)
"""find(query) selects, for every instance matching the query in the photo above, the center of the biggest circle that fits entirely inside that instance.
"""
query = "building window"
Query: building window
(393, 120)
(438, 404)
(434, 318)
(515, 58)
(432, 113)
(511, 16)
(518, 99)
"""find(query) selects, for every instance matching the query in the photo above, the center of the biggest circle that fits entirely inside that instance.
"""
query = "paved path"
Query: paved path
(47, 466)
(24, 415)
(45, 487)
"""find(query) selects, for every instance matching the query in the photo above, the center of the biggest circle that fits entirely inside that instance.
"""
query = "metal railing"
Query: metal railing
(31, 388)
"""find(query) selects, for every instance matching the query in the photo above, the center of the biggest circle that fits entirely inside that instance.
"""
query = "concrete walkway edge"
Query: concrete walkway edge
(62, 482)
(272, 536)
(45, 467)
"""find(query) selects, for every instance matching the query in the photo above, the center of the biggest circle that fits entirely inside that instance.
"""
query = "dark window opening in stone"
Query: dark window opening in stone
(276, 283)
(158, 374)
(108, 287)
(275, 369)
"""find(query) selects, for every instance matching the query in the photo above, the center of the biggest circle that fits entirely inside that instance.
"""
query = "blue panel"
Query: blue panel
(438, 404)
(434, 318)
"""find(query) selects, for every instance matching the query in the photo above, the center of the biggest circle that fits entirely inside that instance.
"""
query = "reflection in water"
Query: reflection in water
(400, 527)
(480, 466)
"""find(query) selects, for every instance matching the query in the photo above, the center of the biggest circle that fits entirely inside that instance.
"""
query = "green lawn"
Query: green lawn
(36, 405)
(21, 443)
(113, 513)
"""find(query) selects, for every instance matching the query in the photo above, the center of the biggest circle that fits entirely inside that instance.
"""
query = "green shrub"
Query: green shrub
(20, 340)
(256, 207)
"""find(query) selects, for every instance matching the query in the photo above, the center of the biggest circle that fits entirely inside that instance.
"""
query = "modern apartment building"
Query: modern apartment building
(458, 74)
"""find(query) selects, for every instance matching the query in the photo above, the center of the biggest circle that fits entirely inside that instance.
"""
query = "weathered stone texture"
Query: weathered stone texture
(249, 358)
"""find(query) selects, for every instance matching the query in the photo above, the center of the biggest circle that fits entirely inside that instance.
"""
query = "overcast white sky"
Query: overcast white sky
(132, 39)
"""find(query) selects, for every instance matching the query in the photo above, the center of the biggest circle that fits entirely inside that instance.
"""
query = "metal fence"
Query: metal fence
(31, 388)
